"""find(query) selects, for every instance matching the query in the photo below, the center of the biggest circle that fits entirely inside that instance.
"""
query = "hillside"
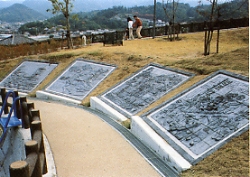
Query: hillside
(20, 13)
(115, 17)
(185, 54)
(86, 5)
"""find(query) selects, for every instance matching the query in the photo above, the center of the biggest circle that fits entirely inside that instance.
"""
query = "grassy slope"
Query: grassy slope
(186, 54)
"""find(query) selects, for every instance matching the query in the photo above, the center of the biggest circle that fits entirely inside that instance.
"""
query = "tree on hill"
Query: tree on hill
(213, 14)
(64, 7)
(171, 14)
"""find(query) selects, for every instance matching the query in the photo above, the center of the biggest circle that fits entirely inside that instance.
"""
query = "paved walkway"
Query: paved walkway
(84, 145)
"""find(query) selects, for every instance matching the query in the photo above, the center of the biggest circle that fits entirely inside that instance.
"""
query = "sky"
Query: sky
(115, 1)
(14, 0)
(128, 3)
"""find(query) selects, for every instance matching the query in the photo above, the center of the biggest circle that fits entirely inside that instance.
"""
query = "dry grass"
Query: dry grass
(230, 160)
(186, 54)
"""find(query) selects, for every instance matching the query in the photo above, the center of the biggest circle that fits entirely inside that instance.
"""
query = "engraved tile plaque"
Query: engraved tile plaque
(200, 120)
(80, 78)
(143, 88)
(27, 76)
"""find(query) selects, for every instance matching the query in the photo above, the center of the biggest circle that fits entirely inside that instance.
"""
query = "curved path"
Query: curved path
(84, 145)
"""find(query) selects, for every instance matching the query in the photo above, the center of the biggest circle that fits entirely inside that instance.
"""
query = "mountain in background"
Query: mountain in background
(84, 5)
(79, 6)
(23, 13)
(20, 13)
(40, 6)
(4, 3)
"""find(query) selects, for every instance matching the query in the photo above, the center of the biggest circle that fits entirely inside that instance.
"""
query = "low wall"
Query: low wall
(99, 105)
(150, 138)
(22, 151)
(12, 148)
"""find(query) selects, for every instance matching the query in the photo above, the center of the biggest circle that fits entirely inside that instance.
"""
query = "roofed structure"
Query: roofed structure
(16, 39)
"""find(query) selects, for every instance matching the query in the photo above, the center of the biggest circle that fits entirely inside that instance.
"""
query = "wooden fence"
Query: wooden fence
(34, 164)
(179, 28)
(54, 44)
(160, 31)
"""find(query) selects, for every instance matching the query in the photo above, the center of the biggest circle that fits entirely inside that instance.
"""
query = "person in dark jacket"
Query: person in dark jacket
(138, 25)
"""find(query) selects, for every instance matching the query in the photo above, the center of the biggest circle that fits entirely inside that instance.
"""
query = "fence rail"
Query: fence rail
(34, 164)
(179, 28)
(163, 30)
(54, 44)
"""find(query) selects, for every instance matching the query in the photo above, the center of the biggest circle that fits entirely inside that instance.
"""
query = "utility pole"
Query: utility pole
(154, 18)
(173, 21)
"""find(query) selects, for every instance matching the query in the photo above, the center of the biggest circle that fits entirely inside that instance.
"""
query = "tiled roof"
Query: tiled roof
(16, 39)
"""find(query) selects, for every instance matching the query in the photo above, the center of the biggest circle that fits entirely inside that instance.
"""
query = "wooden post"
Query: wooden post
(92, 38)
(104, 39)
(25, 117)
(154, 19)
(35, 115)
(218, 39)
(31, 147)
(18, 111)
(37, 135)
(19, 169)
(35, 125)
(32, 154)
(205, 42)
(30, 106)
(3, 95)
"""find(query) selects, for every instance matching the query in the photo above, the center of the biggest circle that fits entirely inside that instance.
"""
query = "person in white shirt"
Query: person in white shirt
(130, 28)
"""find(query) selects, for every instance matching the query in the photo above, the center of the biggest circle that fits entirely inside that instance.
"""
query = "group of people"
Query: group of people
(134, 24)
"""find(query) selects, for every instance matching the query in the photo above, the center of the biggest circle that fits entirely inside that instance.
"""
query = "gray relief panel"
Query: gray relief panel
(143, 88)
(80, 78)
(27, 76)
(200, 120)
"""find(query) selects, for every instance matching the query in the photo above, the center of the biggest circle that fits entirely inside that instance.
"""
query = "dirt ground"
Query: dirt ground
(185, 54)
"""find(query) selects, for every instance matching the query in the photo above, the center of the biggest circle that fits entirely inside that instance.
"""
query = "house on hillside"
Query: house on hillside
(3, 36)
(16, 39)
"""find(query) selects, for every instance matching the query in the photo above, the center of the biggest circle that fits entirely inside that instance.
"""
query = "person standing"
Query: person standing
(130, 28)
(138, 25)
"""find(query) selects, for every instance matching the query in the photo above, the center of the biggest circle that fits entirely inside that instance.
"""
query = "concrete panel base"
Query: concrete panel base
(151, 139)
(49, 159)
(48, 96)
(97, 104)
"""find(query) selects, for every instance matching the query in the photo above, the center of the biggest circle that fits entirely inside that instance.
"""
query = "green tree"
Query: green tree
(65, 7)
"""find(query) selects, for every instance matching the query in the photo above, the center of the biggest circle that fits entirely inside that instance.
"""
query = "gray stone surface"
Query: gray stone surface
(201, 119)
(11, 149)
(27, 76)
(143, 88)
(80, 78)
